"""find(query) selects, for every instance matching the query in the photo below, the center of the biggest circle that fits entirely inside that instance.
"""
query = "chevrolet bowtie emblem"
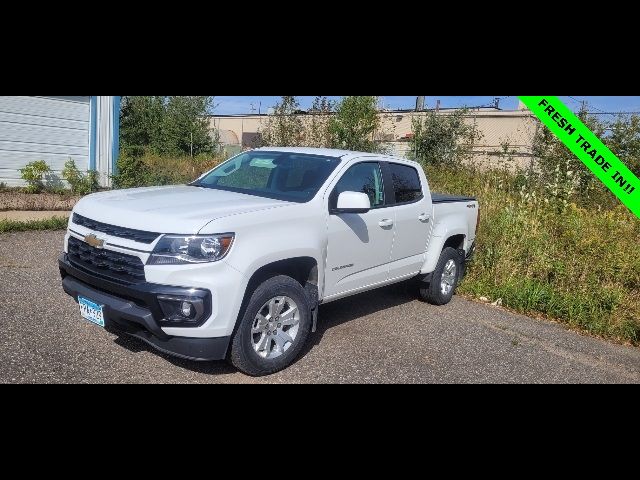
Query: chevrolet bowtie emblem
(94, 241)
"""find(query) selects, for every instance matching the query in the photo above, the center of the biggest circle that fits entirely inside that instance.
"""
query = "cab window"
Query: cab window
(363, 177)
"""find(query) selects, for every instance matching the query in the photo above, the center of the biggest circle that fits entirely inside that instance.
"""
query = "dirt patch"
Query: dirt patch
(36, 201)
(27, 216)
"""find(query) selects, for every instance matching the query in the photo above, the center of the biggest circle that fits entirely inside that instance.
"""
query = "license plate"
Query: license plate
(91, 311)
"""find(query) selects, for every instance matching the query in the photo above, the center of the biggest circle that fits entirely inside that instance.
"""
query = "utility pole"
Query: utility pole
(583, 110)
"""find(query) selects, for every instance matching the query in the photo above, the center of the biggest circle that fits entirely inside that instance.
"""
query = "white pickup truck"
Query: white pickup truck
(234, 265)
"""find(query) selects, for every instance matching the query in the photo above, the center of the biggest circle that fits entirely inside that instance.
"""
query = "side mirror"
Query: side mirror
(353, 202)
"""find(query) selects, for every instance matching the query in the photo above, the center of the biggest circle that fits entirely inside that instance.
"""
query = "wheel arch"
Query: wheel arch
(302, 269)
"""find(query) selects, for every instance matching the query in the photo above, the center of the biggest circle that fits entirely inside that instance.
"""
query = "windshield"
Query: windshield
(294, 177)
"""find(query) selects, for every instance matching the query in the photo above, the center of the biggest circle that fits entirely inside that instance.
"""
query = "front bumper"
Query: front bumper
(134, 310)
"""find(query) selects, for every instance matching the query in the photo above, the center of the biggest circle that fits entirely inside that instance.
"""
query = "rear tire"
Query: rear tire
(273, 329)
(444, 280)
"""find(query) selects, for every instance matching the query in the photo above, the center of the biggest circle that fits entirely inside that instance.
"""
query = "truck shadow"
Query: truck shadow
(357, 306)
(330, 315)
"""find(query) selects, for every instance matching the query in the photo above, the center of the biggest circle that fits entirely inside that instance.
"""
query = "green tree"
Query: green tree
(285, 127)
(354, 124)
(624, 140)
(559, 170)
(442, 138)
(166, 125)
(317, 132)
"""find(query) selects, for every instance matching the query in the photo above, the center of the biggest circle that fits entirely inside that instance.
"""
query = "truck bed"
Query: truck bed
(445, 198)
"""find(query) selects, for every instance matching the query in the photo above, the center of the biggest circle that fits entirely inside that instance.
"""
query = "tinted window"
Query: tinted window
(285, 176)
(362, 177)
(406, 183)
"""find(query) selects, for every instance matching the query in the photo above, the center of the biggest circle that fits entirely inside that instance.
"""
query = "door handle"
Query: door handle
(385, 222)
(423, 217)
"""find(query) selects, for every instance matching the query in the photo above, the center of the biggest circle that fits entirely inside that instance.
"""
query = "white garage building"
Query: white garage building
(55, 129)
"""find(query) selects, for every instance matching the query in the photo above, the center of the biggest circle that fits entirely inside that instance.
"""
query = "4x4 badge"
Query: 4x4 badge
(94, 241)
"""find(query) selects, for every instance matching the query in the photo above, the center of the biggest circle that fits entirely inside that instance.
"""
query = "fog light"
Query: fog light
(179, 310)
(186, 309)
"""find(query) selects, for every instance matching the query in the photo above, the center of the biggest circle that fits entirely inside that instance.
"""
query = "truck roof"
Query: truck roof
(331, 152)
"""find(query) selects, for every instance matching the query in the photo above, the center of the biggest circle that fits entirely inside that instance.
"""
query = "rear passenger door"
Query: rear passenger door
(412, 211)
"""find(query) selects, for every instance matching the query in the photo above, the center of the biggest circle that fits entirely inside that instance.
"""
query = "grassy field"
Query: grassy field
(579, 265)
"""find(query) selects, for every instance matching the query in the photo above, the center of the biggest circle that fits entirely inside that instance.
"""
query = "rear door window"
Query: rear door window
(406, 183)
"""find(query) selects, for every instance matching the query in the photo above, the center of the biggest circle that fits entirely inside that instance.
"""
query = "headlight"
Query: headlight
(179, 249)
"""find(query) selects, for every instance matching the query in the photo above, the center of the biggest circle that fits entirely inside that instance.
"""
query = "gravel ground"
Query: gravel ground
(381, 336)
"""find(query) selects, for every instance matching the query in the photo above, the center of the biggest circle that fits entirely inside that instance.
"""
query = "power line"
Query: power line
(601, 112)
(577, 101)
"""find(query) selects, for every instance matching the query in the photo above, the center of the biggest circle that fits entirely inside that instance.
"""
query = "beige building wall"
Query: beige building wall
(512, 130)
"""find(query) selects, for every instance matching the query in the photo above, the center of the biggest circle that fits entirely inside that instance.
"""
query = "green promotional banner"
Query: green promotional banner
(588, 148)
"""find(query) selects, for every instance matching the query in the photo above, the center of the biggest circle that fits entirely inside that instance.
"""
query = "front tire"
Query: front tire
(444, 279)
(273, 329)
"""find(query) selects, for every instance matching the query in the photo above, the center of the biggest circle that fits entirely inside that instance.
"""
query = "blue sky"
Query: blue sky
(239, 105)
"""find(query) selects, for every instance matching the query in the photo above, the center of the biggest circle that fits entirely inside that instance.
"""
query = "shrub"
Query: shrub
(132, 172)
(151, 169)
(54, 223)
(443, 138)
(33, 173)
(81, 183)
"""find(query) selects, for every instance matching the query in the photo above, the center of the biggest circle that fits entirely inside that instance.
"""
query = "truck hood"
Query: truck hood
(174, 209)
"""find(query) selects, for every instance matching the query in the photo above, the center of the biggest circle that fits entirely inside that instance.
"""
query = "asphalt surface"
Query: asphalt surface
(383, 336)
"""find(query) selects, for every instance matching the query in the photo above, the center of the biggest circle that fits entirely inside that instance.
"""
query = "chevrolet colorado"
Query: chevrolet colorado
(235, 264)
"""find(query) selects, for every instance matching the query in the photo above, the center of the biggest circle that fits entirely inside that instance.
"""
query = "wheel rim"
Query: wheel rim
(448, 280)
(275, 327)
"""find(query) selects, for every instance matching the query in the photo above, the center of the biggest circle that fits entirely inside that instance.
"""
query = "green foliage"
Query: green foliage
(132, 172)
(317, 133)
(3, 186)
(443, 138)
(151, 169)
(354, 124)
(81, 183)
(54, 223)
(580, 265)
(166, 125)
(350, 124)
(33, 173)
(625, 141)
(561, 171)
(566, 179)
(285, 128)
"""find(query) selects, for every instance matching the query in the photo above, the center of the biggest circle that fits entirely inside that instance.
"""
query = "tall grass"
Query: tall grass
(576, 264)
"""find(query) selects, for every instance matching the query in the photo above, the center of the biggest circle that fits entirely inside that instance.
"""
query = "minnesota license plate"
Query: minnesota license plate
(91, 311)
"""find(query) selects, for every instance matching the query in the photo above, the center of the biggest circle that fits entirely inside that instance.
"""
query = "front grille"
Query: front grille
(106, 263)
(121, 232)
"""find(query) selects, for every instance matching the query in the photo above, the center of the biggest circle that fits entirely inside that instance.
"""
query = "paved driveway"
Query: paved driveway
(381, 336)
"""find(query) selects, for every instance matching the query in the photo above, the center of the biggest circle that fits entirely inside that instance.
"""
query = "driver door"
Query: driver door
(359, 245)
